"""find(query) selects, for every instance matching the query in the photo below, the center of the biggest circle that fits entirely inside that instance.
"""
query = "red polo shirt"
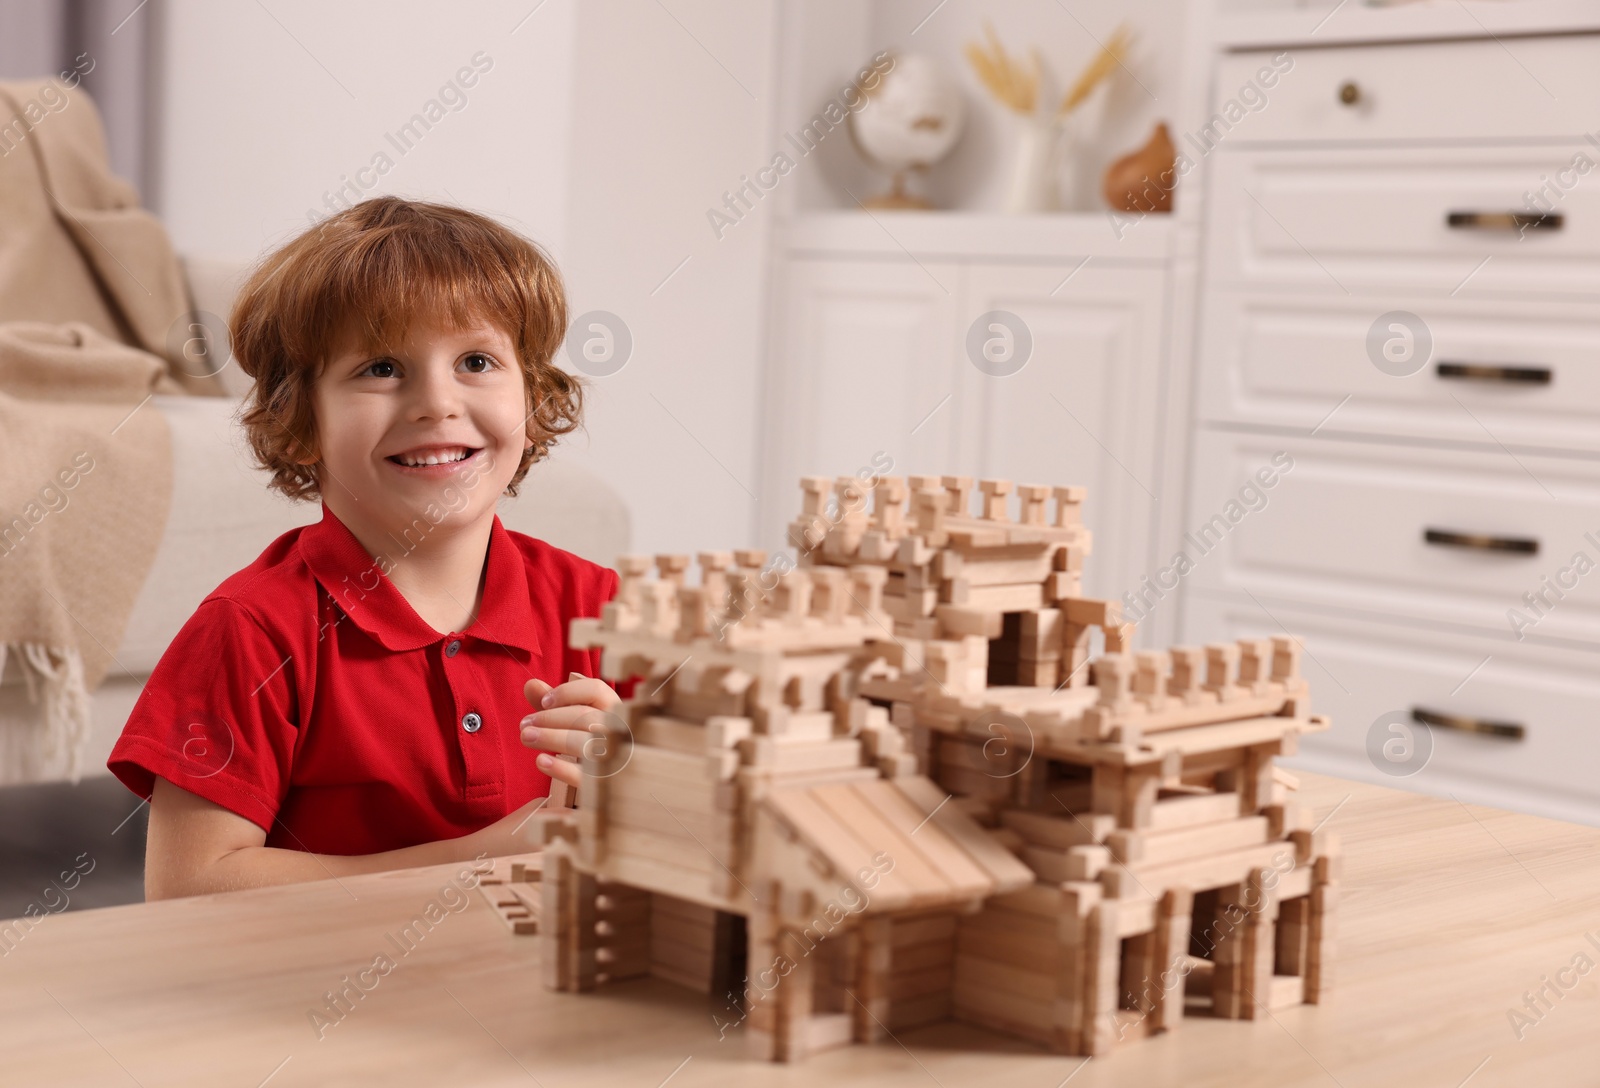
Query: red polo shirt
(306, 695)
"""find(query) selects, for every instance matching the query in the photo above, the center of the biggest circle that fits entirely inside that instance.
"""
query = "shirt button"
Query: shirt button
(472, 722)
(450, 650)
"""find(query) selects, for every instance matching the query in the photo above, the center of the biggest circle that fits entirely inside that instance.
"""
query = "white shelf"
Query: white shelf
(1266, 27)
(985, 235)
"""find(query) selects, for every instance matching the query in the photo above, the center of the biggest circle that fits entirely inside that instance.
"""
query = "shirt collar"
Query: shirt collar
(357, 584)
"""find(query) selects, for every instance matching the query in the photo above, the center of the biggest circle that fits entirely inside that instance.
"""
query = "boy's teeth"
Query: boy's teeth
(434, 458)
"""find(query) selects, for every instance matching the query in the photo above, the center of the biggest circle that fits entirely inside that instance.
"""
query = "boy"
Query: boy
(354, 699)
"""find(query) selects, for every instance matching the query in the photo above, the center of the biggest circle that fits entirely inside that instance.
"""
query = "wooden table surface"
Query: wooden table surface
(1450, 915)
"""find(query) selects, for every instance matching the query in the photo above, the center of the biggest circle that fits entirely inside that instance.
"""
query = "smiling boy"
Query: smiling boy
(356, 698)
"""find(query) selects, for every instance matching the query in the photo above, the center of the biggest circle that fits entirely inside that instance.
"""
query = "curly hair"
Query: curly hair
(373, 269)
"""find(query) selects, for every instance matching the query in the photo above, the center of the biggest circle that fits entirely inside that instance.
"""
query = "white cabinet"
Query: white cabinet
(1436, 542)
(1541, 88)
(1526, 373)
(1440, 221)
(1421, 533)
(861, 369)
(873, 356)
(1079, 411)
(1372, 679)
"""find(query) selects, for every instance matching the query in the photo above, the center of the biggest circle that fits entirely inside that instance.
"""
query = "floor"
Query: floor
(70, 847)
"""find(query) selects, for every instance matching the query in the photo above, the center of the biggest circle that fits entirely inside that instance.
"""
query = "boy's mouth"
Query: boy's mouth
(434, 459)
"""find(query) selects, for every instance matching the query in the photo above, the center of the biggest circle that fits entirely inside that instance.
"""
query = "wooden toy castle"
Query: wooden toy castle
(888, 786)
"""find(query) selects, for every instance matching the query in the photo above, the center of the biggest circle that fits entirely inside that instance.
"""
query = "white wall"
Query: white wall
(603, 131)
(268, 107)
(670, 110)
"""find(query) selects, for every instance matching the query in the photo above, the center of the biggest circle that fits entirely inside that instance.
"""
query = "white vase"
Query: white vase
(1033, 166)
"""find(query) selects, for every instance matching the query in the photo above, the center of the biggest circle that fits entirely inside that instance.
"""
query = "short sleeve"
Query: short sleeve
(217, 717)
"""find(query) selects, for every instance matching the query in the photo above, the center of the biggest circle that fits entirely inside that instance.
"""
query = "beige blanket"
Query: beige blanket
(93, 321)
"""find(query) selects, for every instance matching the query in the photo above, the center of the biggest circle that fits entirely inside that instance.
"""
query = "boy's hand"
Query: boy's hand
(563, 721)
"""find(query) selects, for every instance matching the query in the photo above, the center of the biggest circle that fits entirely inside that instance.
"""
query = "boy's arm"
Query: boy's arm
(196, 847)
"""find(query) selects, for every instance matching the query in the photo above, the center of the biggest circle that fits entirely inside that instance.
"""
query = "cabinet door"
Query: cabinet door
(1506, 544)
(1431, 221)
(1492, 370)
(1370, 678)
(861, 373)
(1083, 409)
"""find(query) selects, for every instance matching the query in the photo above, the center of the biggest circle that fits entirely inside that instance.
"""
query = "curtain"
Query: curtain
(107, 45)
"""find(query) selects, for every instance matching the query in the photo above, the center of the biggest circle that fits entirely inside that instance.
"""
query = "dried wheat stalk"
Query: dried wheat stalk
(1013, 86)
(1104, 62)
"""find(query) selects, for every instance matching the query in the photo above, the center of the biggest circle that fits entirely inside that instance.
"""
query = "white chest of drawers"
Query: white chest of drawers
(1399, 276)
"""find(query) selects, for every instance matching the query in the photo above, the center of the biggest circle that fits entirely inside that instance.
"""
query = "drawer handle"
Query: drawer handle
(1480, 542)
(1349, 93)
(1434, 720)
(1479, 372)
(1517, 221)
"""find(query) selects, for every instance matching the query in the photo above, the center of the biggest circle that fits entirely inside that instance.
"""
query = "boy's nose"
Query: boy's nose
(435, 396)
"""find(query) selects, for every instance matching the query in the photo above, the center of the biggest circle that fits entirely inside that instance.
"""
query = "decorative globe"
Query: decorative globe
(912, 118)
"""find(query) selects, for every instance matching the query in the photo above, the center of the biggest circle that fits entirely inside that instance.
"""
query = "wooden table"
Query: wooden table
(1450, 915)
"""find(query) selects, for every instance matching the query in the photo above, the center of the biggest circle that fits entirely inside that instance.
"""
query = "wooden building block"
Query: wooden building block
(1140, 974)
(1294, 927)
(1260, 943)
(958, 491)
(1034, 499)
(1212, 871)
(927, 928)
(1061, 831)
(527, 870)
(1255, 665)
(1255, 776)
(1127, 792)
(1312, 844)
(1113, 675)
(1001, 598)
(1171, 946)
(1329, 869)
(1073, 942)
(1222, 671)
(1151, 669)
(1286, 651)
(557, 954)
(888, 507)
(995, 497)
(1069, 505)
(1188, 673)
(873, 961)
(1204, 808)
(1226, 929)
(510, 908)
(1167, 847)
(1320, 938)
(1102, 974)
(671, 568)
(1284, 817)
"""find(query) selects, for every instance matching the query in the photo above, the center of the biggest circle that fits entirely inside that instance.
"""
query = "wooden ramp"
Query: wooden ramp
(898, 839)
